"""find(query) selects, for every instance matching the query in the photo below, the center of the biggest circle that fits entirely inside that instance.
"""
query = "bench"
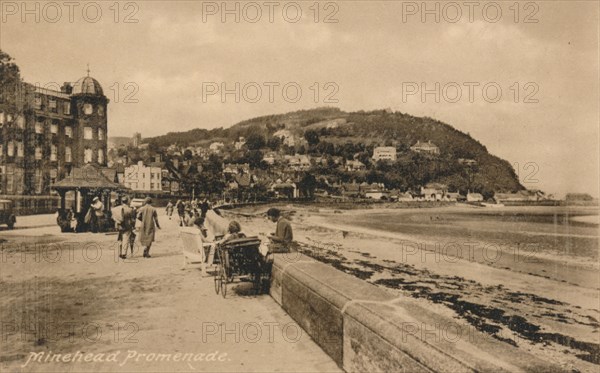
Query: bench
(200, 250)
(196, 249)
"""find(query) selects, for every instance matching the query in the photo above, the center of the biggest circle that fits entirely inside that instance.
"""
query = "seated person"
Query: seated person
(233, 232)
(283, 237)
(199, 223)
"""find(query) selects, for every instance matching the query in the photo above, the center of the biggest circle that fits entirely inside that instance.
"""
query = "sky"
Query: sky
(521, 78)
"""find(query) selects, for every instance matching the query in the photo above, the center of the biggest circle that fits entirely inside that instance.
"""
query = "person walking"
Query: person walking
(204, 208)
(149, 218)
(181, 212)
(126, 227)
(169, 210)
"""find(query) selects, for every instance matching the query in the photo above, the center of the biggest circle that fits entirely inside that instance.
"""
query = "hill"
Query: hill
(355, 134)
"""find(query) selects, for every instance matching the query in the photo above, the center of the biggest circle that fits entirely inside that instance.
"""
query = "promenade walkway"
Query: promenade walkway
(70, 294)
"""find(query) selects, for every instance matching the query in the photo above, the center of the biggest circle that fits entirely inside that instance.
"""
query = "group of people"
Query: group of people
(188, 212)
(125, 220)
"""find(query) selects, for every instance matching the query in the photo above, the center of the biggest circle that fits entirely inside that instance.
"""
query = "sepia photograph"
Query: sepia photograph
(305, 186)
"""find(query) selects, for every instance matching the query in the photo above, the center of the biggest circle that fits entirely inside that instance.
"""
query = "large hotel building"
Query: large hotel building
(54, 131)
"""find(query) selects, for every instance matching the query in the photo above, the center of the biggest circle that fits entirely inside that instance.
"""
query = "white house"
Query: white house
(425, 147)
(141, 177)
(474, 197)
(386, 153)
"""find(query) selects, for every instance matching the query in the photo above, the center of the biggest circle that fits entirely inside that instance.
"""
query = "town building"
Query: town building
(136, 140)
(141, 177)
(384, 153)
(425, 147)
(355, 165)
(52, 132)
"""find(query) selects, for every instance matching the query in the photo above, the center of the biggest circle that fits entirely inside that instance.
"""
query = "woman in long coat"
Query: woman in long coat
(149, 218)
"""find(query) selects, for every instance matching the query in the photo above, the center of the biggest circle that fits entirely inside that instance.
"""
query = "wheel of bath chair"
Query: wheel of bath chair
(218, 274)
(223, 282)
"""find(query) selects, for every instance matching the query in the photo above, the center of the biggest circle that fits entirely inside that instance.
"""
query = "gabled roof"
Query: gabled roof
(86, 177)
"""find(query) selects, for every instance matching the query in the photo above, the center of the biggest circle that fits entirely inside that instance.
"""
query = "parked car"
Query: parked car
(7, 215)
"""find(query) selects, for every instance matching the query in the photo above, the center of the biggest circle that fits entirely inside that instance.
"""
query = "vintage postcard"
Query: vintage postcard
(299, 186)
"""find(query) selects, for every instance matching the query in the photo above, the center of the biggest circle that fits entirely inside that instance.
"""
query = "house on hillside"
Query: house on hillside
(236, 168)
(425, 147)
(239, 144)
(284, 189)
(355, 165)
(474, 197)
(455, 197)
(434, 191)
(374, 191)
(384, 153)
(216, 147)
(351, 190)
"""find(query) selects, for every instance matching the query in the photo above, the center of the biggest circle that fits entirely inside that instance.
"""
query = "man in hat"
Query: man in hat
(149, 218)
(126, 227)
(97, 215)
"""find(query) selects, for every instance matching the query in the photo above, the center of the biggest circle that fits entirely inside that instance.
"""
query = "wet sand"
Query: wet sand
(528, 277)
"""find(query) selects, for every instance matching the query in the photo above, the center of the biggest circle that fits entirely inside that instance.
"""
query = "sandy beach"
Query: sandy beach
(535, 288)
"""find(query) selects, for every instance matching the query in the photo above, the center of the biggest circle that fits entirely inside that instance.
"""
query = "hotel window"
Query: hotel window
(19, 180)
(10, 179)
(53, 176)
(69, 132)
(100, 134)
(68, 157)
(87, 133)
(20, 121)
(38, 102)
(101, 110)
(67, 108)
(1, 118)
(53, 152)
(100, 156)
(54, 128)
(20, 152)
(39, 181)
(88, 109)
(10, 149)
(87, 155)
(39, 126)
(38, 153)
(52, 105)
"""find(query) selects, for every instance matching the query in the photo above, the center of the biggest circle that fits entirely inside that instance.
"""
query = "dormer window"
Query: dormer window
(38, 102)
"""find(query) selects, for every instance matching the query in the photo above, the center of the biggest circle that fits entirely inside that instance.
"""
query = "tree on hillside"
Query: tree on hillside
(312, 137)
(274, 143)
(255, 141)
